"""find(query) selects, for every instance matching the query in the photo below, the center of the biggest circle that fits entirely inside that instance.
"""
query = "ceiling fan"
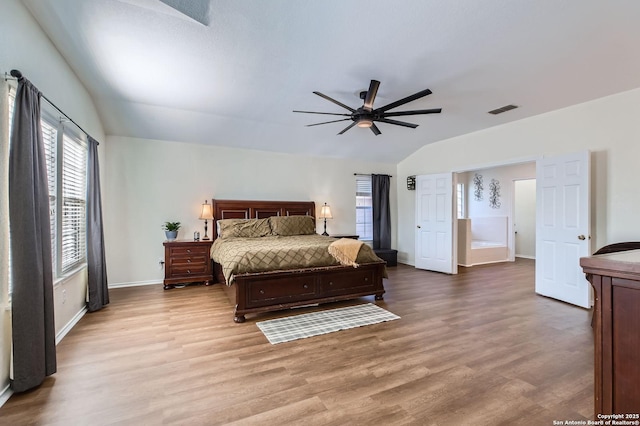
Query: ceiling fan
(366, 115)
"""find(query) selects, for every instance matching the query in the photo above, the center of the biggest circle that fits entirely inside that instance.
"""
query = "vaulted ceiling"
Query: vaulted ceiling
(230, 72)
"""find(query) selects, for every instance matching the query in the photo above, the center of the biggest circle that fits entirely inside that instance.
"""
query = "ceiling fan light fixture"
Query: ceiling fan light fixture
(366, 116)
(365, 122)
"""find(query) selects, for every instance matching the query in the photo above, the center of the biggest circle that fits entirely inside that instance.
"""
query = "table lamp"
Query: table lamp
(206, 214)
(325, 213)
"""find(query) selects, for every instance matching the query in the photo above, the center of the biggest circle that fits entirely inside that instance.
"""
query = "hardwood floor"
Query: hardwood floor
(479, 348)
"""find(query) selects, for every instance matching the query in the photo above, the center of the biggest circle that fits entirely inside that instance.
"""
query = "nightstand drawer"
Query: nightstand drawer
(188, 270)
(198, 259)
(188, 251)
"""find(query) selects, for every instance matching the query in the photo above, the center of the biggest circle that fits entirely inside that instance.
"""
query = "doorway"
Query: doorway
(524, 218)
(486, 223)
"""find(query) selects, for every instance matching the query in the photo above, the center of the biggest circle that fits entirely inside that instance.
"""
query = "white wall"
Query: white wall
(150, 182)
(608, 127)
(505, 175)
(25, 47)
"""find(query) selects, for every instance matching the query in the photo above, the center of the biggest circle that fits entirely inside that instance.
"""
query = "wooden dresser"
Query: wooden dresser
(187, 261)
(616, 280)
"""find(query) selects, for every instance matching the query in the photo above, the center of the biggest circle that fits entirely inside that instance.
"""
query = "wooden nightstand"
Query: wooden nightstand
(353, 236)
(187, 261)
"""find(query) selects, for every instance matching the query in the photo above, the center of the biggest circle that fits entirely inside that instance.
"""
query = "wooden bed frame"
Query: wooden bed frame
(276, 290)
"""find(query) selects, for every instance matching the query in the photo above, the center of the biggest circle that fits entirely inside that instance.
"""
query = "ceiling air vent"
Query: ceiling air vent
(503, 109)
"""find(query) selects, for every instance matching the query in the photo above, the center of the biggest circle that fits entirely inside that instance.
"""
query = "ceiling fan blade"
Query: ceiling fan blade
(334, 101)
(375, 129)
(347, 128)
(399, 123)
(414, 112)
(325, 113)
(371, 94)
(327, 122)
(403, 101)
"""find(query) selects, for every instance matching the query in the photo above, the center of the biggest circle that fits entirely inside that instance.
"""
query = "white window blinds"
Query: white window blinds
(460, 199)
(12, 105)
(50, 138)
(12, 101)
(74, 184)
(364, 208)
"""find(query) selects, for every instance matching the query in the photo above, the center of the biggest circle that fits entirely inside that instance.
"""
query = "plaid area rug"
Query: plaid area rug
(306, 325)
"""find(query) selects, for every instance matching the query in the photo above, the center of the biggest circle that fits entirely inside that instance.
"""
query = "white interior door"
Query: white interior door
(434, 223)
(563, 227)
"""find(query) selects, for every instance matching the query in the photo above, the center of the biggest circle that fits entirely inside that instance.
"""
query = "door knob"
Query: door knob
(582, 237)
(419, 226)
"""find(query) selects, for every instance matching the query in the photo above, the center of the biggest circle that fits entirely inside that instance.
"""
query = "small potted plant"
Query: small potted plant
(171, 230)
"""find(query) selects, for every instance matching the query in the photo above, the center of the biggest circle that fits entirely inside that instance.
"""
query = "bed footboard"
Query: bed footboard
(272, 291)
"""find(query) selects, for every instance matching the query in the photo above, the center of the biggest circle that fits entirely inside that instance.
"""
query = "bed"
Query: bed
(283, 288)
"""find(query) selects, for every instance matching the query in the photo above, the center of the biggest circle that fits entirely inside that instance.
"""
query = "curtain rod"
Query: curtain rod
(365, 174)
(18, 75)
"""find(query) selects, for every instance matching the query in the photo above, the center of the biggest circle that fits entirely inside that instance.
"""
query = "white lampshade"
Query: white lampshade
(207, 211)
(325, 212)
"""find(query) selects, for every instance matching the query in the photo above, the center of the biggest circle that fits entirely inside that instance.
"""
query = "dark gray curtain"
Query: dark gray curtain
(380, 185)
(96, 264)
(33, 328)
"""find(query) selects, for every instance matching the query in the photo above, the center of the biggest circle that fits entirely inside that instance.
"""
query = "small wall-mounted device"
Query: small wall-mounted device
(411, 183)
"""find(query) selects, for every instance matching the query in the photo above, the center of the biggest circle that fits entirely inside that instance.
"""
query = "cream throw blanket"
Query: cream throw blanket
(345, 251)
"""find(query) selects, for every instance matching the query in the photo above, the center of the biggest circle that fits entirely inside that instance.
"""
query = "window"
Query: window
(460, 198)
(66, 160)
(364, 209)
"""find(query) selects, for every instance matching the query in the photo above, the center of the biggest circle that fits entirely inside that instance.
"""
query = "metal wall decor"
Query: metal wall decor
(494, 194)
(478, 187)
(411, 183)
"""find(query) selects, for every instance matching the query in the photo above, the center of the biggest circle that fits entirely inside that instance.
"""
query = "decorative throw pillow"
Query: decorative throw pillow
(292, 225)
(245, 228)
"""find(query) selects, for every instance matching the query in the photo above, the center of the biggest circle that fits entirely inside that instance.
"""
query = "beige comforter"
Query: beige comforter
(272, 253)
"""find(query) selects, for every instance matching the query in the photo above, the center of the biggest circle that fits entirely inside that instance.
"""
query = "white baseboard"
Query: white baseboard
(134, 284)
(525, 256)
(68, 326)
(484, 263)
(5, 395)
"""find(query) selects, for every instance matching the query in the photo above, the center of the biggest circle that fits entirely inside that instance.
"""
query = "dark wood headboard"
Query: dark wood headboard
(250, 209)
